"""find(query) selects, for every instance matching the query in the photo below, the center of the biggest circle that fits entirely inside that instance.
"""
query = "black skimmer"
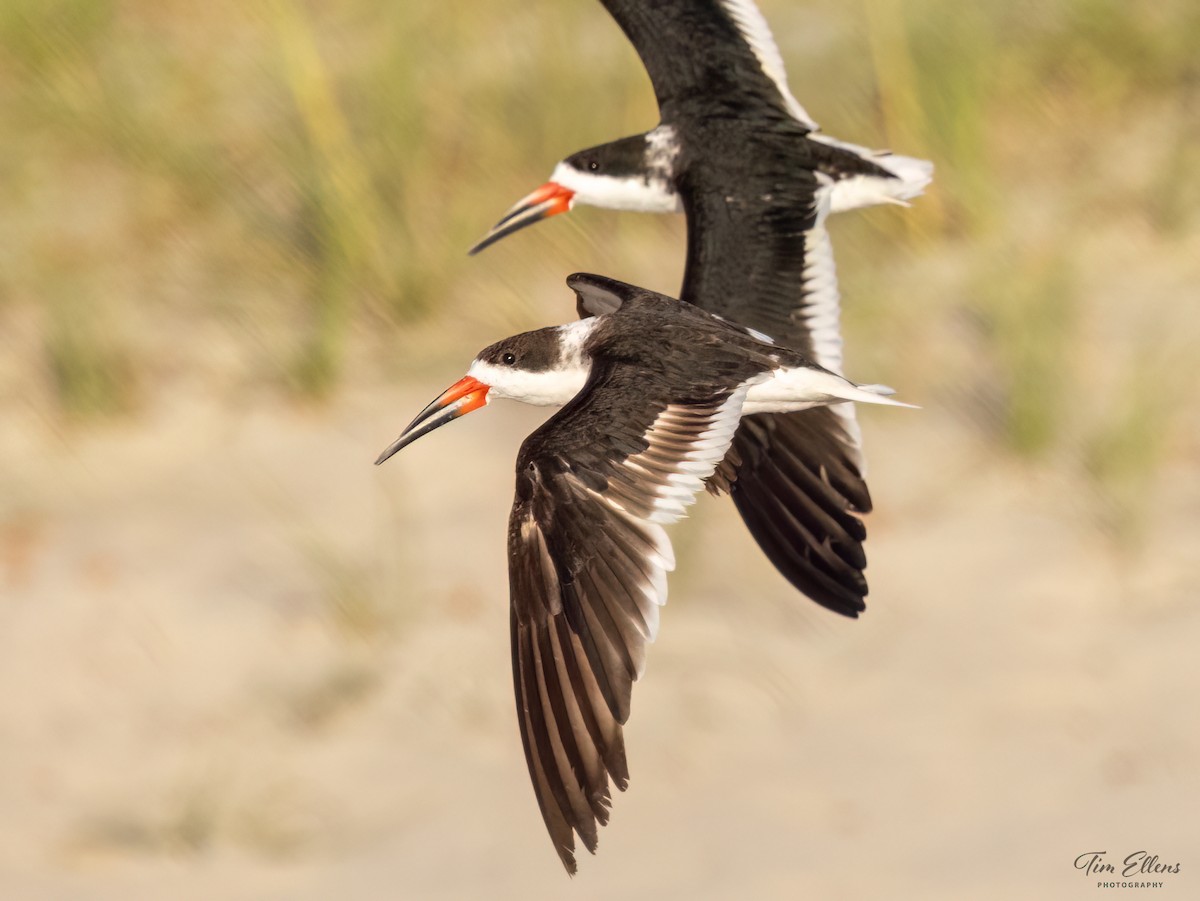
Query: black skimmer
(722, 92)
(652, 390)
(738, 154)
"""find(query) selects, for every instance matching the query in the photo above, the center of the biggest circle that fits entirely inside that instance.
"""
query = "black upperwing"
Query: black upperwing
(707, 51)
(759, 254)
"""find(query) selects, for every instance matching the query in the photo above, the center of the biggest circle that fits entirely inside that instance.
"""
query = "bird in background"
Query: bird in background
(652, 391)
(756, 179)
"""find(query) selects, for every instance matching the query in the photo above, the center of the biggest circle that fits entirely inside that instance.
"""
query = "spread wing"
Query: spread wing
(708, 48)
(761, 256)
(588, 564)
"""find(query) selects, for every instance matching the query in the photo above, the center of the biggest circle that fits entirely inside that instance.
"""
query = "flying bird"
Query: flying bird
(652, 390)
(756, 178)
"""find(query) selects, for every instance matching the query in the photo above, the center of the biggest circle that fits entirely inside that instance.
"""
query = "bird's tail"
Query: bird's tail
(874, 176)
(912, 175)
(870, 394)
(801, 387)
(878, 394)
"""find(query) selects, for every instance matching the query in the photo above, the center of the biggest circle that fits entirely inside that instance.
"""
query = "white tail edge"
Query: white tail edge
(911, 176)
(879, 394)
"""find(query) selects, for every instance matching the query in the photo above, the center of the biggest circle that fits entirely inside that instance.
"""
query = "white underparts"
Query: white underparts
(801, 388)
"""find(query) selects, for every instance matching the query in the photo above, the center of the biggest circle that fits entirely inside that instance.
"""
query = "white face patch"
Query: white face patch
(648, 194)
(547, 387)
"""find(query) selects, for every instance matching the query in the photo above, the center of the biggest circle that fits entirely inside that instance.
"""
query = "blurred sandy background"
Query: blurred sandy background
(238, 661)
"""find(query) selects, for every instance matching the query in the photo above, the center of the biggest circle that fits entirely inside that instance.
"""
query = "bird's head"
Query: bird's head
(633, 173)
(546, 367)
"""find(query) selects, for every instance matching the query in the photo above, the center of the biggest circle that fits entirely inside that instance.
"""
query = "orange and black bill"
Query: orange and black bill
(548, 200)
(459, 399)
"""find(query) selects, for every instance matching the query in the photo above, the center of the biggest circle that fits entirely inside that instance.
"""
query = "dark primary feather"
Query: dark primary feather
(692, 50)
(799, 487)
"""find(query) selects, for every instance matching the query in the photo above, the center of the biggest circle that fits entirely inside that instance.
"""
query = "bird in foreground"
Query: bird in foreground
(652, 390)
(756, 179)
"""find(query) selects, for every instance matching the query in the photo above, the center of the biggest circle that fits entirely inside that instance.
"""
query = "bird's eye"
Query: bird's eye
(593, 165)
(508, 359)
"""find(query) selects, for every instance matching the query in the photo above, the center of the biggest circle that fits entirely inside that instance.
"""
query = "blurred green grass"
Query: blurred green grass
(275, 193)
